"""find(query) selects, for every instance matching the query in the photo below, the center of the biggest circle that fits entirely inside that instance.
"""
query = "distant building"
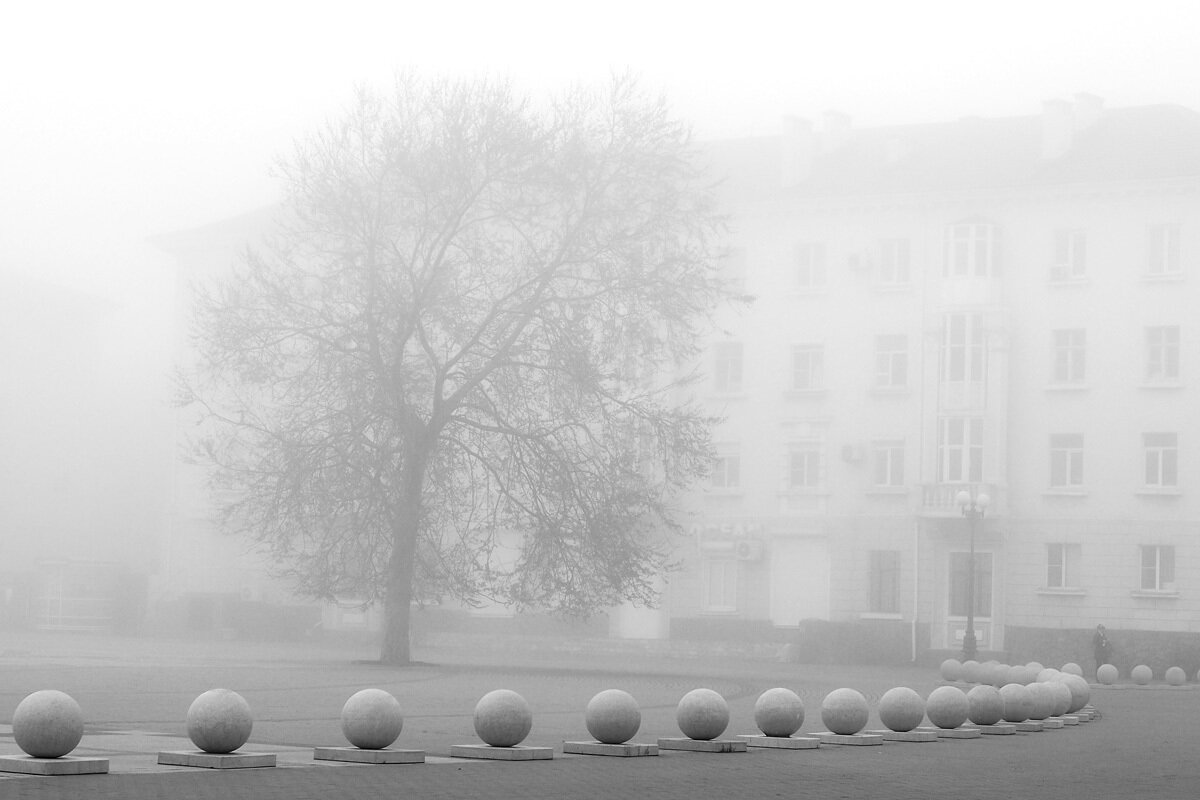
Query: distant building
(1002, 306)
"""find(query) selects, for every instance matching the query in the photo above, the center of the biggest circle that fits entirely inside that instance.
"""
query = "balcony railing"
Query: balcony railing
(938, 499)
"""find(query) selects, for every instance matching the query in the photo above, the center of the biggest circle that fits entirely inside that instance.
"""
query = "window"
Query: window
(894, 261)
(810, 265)
(727, 468)
(888, 466)
(727, 367)
(1070, 355)
(891, 361)
(1062, 565)
(721, 584)
(804, 466)
(960, 449)
(1162, 354)
(1066, 460)
(1070, 255)
(972, 250)
(959, 563)
(808, 367)
(1164, 253)
(885, 582)
(1158, 568)
(1162, 460)
(962, 346)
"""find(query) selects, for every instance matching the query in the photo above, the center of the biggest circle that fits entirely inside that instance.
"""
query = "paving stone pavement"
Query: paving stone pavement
(135, 694)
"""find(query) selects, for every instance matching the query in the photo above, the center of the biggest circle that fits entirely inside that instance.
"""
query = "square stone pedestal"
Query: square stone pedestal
(65, 765)
(1030, 725)
(1069, 719)
(907, 736)
(999, 729)
(852, 739)
(702, 745)
(625, 750)
(198, 758)
(1052, 723)
(781, 742)
(517, 753)
(954, 733)
(359, 755)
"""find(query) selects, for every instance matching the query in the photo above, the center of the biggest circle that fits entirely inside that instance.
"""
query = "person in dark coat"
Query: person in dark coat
(1101, 646)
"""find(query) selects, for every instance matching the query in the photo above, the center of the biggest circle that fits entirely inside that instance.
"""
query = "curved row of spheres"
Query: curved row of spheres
(49, 723)
(998, 674)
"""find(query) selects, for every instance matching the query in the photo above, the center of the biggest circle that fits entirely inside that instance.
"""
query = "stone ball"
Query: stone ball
(972, 671)
(219, 721)
(47, 724)
(951, 670)
(1141, 674)
(503, 718)
(1176, 676)
(984, 705)
(947, 707)
(612, 716)
(1107, 674)
(779, 712)
(1016, 674)
(845, 711)
(998, 675)
(1062, 697)
(1048, 674)
(901, 709)
(1044, 700)
(702, 714)
(1081, 692)
(1071, 668)
(1035, 667)
(1018, 703)
(372, 719)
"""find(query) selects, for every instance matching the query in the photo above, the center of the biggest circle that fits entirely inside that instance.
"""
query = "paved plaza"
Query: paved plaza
(135, 694)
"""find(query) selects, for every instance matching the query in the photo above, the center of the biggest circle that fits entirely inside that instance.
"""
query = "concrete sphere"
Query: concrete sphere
(947, 707)
(1016, 674)
(844, 711)
(984, 705)
(612, 716)
(47, 724)
(1048, 674)
(1018, 702)
(219, 721)
(503, 718)
(702, 714)
(901, 709)
(1062, 697)
(1176, 676)
(372, 719)
(997, 675)
(951, 669)
(1081, 692)
(1071, 668)
(972, 670)
(1035, 667)
(779, 712)
(1107, 674)
(1044, 700)
(1141, 674)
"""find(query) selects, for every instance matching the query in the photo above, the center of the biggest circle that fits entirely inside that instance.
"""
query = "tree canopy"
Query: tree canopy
(455, 367)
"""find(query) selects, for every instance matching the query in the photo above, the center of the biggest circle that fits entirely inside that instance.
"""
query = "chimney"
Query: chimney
(797, 152)
(836, 132)
(1057, 128)
(1088, 108)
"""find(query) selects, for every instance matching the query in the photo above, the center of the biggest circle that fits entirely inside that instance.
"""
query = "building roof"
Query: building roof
(1142, 143)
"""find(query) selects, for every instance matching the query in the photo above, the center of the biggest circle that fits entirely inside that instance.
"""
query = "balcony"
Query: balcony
(938, 499)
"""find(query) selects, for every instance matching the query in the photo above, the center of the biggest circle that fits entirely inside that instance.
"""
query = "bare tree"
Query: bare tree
(466, 331)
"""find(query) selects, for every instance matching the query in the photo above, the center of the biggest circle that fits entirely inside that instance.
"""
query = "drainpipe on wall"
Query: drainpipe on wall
(916, 583)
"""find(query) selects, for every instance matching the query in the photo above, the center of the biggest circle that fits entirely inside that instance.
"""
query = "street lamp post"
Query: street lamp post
(973, 508)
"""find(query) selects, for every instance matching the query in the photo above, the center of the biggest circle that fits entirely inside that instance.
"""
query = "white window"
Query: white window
(888, 463)
(1066, 460)
(810, 264)
(1164, 252)
(804, 466)
(1070, 255)
(1158, 567)
(885, 582)
(891, 361)
(1162, 460)
(727, 468)
(721, 584)
(727, 367)
(808, 367)
(972, 250)
(963, 350)
(1062, 565)
(1070, 355)
(894, 261)
(1162, 354)
(960, 450)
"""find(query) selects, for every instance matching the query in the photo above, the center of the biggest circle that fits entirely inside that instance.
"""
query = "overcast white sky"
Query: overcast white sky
(120, 120)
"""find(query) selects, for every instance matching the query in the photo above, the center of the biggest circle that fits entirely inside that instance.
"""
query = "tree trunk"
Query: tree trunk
(397, 606)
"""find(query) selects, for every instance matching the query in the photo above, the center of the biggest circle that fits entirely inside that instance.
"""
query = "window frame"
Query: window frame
(1070, 356)
(1066, 461)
